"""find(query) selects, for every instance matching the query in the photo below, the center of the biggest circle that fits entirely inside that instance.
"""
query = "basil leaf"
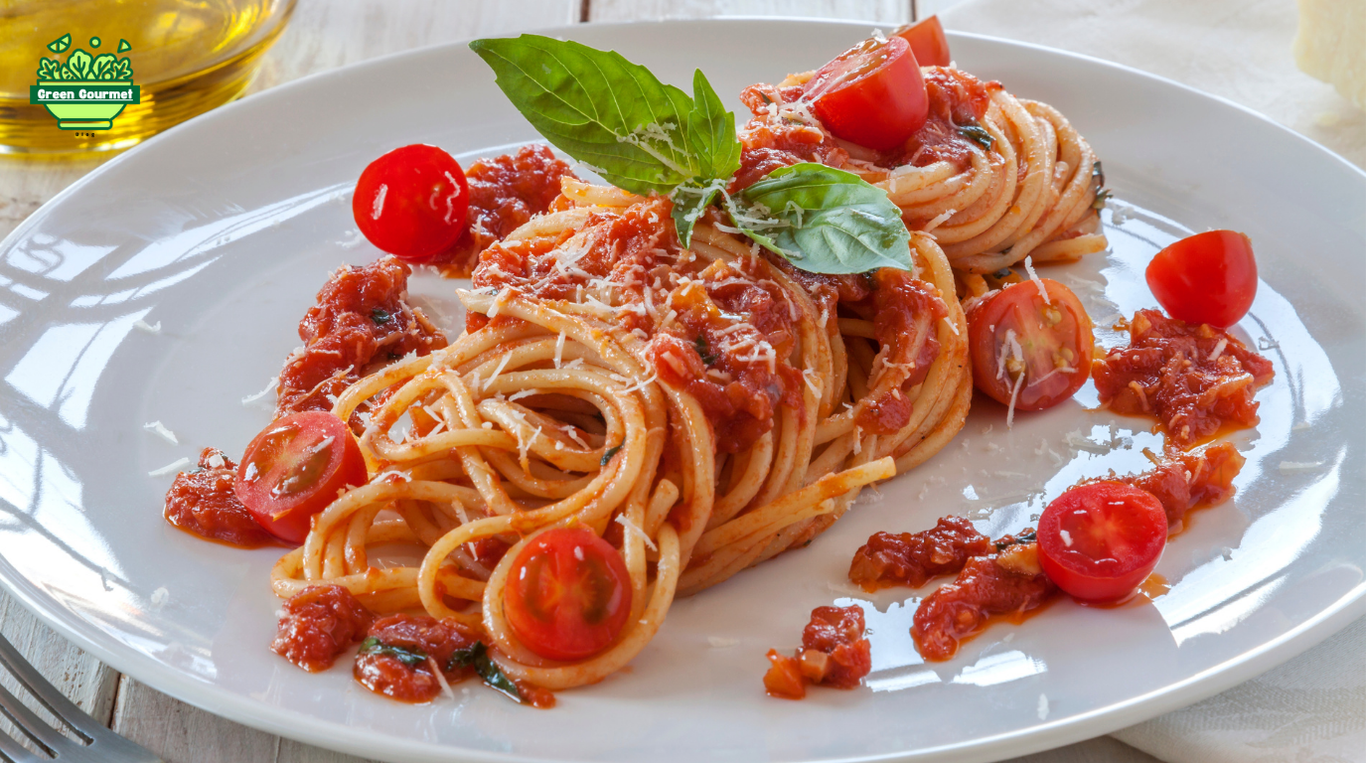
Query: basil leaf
(704, 350)
(612, 451)
(712, 131)
(690, 200)
(977, 134)
(824, 220)
(599, 108)
(410, 657)
(495, 678)
(476, 655)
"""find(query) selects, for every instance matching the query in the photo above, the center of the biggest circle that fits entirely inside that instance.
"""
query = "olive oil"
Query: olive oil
(187, 56)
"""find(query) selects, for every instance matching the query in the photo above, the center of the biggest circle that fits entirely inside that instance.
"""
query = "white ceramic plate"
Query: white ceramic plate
(222, 230)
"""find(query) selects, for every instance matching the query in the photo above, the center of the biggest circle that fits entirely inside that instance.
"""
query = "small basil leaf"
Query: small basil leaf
(599, 108)
(464, 658)
(977, 134)
(612, 451)
(704, 349)
(379, 315)
(1102, 196)
(495, 678)
(410, 657)
(712, 131)
(690, 200)
(824, 220)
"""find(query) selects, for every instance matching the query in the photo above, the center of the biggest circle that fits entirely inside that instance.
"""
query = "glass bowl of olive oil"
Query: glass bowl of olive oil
(131, 68)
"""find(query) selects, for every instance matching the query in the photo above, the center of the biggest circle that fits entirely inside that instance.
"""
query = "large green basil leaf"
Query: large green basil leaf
(824, 220)
(612, 115)
(712, 130)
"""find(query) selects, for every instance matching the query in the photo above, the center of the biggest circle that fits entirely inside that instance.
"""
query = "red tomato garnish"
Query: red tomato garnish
(412, 201)
(1099, 541)
(568, 594)
(872, 94)
(1210, 277)
(1038, 351)
(928, 43)
(294, 469)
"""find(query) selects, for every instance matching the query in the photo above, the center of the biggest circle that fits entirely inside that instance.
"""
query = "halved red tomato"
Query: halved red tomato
(1210, 277)
(1100, 540)
(295, 468)
(412, 202)
(1024, 347)
(928, 43)
(568, 594)
(872, 94)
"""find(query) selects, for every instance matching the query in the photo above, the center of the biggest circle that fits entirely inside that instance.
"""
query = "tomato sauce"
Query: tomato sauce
(399, 650)
(318, 624)
(1009, 582)
(361, 323)
(958, 100)
(834, 653)
(1184, 481)
(721, 331)
(505, 192)
(912, 559)
(203, 502)
(782, 133)
(1194, 379)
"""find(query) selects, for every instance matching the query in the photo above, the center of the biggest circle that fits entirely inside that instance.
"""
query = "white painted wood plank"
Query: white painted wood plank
(180, 733)
(880, 11)
(79, 676)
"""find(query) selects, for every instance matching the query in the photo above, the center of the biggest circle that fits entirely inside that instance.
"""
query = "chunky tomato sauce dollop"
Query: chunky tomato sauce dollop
(1184, 481)
(834, 653)
(1007, 582)
(202, 502)
(912, 559)
(318, 624)
(362, 322)
(1194, 379)
(505, 192)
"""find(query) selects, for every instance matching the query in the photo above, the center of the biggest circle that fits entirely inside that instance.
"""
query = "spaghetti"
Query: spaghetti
(993, 178)
(702, 409)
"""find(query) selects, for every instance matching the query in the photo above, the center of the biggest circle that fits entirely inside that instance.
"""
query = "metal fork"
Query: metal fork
(96, 744)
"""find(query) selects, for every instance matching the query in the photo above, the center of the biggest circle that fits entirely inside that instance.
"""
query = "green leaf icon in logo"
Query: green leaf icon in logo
(124, 47)
(60, 44)
(104, 65)
(80, 65)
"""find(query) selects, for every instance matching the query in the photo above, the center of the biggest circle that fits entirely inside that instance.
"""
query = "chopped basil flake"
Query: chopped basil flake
(410, 657)
(612, 451)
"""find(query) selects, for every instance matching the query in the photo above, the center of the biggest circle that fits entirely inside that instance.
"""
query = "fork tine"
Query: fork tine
(25, 720)
(12, 752)
(47, 694)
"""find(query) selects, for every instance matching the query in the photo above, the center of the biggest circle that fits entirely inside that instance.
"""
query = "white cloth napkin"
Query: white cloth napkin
(1313, 708)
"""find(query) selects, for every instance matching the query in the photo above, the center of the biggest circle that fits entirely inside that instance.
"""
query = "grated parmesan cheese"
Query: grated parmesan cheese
(170, 468)
(166, 434)
(146, 328)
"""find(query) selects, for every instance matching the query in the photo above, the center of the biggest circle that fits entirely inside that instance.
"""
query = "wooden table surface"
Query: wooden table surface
(323, 35)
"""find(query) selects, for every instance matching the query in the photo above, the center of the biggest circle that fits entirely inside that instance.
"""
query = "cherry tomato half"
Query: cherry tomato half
(1038, 351)
(294, 469)
(412, 201)
(1210, 277)
(928, 43)
(568, 594)
(872, 94)
(1099, 541)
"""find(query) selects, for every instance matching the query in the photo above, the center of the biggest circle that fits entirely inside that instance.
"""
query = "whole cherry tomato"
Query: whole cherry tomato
(872, 94)
(1210, 277)
(412, 202)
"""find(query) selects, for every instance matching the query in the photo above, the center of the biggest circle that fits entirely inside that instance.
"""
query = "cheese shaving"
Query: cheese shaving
(147, 328)
(634, 529)
(1029, 268)
(170, 468)
(166, 434)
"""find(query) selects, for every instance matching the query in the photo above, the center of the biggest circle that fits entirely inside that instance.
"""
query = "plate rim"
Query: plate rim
(335, 736)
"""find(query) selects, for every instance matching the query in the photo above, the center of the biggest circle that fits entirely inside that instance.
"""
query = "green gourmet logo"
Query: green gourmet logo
(85, 92)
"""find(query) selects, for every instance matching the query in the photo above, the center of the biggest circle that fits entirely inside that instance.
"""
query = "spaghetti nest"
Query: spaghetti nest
(701, 409)
(994, 178)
